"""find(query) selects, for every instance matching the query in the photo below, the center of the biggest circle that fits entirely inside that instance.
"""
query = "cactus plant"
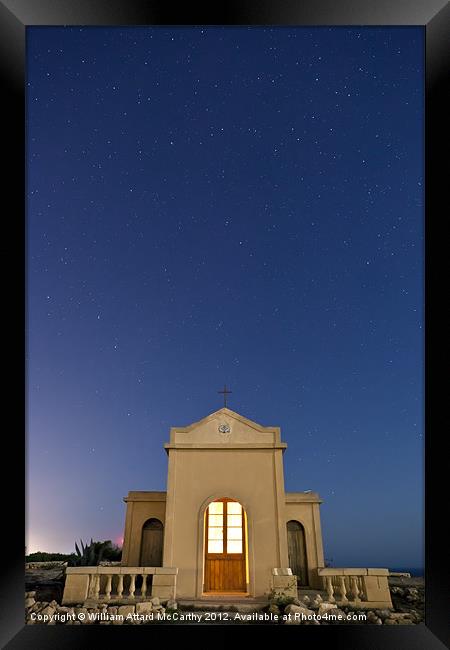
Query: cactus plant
(92, 554)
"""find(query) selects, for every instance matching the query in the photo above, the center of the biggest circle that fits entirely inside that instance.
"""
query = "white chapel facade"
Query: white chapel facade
(225, 521)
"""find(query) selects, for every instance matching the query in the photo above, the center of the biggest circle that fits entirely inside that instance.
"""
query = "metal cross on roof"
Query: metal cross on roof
(225, 392)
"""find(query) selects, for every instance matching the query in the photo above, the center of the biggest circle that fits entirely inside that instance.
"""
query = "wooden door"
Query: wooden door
(225, 568)
(297, 551)
(152, 543)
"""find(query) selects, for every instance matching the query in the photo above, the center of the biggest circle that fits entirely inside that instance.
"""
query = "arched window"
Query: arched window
(297, 551)
(152, 543)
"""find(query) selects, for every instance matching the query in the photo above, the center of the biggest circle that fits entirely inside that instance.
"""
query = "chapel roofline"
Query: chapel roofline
(231, 414)
(303, 497)
(139, 495)
(290, 497)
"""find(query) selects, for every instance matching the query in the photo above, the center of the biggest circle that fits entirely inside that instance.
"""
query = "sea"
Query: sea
(414, 571)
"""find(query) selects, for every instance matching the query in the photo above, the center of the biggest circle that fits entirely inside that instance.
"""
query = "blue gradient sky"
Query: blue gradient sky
(239, 205)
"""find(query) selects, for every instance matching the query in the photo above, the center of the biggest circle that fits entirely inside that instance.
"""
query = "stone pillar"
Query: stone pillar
(284, 583)
(376, 587)
(76, 585)
(164, 583)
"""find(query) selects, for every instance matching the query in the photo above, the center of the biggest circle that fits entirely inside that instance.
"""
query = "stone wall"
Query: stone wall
(52, 613)
(45, 565)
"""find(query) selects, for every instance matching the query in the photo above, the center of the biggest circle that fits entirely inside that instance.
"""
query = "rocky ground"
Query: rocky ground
(408, 608)
(407, 599)
(52, 613)
(46, 579)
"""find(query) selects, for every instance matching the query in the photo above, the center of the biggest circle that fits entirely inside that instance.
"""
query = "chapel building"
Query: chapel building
(225, 521)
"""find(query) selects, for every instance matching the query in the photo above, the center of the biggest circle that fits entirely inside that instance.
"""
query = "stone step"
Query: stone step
(312, 592)
(243, 606)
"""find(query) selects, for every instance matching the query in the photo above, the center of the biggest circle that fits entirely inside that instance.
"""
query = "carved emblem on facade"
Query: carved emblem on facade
(224, 431)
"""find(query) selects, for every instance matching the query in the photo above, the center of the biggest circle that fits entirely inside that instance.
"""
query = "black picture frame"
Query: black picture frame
(433, 16)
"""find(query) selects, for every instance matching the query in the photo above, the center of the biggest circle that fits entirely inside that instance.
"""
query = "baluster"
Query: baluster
(335, 581)
(108, 587)
(343, 590)
(144, 585)
(361, 588)
(330, 590)
(96, 586)
(120, 586)
(347, 584)
(355, 589)
(132, 587)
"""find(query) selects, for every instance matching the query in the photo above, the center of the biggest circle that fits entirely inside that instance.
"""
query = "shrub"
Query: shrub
(40, 556)
(94, 553)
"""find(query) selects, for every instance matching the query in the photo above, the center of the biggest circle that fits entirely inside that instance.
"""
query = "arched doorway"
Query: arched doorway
(152, 543)
(297, 551)
(225, 547)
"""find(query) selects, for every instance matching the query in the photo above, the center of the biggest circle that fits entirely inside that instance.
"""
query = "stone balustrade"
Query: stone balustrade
(118, 584)
(360, 588)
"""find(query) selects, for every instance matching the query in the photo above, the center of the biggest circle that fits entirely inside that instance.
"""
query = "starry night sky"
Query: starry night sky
(239, 205)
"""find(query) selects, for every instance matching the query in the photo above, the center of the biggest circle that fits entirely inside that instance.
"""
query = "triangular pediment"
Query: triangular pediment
(224, 427)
